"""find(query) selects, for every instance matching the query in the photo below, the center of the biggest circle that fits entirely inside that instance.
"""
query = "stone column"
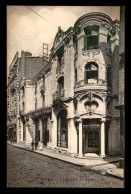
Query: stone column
(102, 138)
(80, 138)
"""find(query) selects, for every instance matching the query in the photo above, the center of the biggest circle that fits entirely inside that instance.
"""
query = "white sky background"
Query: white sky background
(27, 31)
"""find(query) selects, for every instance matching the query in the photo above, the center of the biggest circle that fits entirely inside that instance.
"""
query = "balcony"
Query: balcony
(58, 94)
(81, 85)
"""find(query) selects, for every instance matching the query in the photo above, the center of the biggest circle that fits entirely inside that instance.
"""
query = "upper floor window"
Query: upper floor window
(60, 56)
(61, 86)
(91, 40)
(91, 73)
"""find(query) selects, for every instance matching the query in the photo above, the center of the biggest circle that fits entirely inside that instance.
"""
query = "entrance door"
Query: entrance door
(92, 140)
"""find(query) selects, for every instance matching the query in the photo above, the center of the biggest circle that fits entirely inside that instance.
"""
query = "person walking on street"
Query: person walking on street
(36, 144)
(32, 145)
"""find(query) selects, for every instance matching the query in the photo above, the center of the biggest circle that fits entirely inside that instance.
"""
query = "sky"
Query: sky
(28, 27)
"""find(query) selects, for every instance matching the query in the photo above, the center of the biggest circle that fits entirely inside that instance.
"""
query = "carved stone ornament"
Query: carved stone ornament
(91, 53)
(104, 95)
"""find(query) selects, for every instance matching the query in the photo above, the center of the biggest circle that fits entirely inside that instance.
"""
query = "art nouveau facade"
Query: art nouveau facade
(70, 102)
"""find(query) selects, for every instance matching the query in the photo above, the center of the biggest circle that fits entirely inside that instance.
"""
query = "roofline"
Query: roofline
(92, 14)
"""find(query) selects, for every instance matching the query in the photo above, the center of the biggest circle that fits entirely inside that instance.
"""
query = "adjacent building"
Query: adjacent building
(69, 105)
(22, 67)
(121, 101)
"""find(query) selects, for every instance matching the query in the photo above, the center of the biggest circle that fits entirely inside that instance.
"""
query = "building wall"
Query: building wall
(69, 71)
(30, 68)
(122, 30)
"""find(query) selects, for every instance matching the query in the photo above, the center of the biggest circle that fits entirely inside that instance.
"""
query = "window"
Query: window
(61, 86)
(91, 40)
(62, 129)
(60, 56)
(91, 73)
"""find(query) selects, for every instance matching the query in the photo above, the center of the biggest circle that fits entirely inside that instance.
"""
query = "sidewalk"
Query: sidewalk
(102, 166)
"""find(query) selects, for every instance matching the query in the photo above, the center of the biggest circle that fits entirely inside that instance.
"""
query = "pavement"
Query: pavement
(107, 166)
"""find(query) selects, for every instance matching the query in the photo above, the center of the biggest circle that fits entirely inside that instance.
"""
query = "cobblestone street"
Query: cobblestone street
(28, 169)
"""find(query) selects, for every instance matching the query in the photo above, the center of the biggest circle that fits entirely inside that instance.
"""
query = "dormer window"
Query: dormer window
(91, 39)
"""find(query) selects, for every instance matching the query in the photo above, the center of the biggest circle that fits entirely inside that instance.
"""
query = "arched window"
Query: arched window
(91, 73)
(61, 86)
(62, 129)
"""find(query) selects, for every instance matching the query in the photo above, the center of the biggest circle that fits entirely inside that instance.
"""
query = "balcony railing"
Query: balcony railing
(58, 94)
(83, 83)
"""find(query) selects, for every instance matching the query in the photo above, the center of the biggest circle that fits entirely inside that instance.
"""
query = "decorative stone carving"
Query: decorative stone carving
(91, 53)
(104, 95)
(94, 53)
(86, 54)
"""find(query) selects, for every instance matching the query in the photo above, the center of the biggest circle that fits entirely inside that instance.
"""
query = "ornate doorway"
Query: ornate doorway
(91, 138)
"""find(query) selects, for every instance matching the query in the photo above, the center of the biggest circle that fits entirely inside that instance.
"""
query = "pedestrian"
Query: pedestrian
(40, 146)
(36, 144)
(32, 145)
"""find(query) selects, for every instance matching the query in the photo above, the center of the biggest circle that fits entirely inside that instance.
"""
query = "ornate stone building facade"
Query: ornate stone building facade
(70, 102)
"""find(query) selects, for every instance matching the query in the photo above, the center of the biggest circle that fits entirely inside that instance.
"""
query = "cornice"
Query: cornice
(95, 16)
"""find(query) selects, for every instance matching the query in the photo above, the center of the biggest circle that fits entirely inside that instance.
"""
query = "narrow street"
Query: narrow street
(28, 169)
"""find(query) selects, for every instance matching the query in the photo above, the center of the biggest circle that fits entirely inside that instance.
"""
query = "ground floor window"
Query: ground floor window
(62, 129)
